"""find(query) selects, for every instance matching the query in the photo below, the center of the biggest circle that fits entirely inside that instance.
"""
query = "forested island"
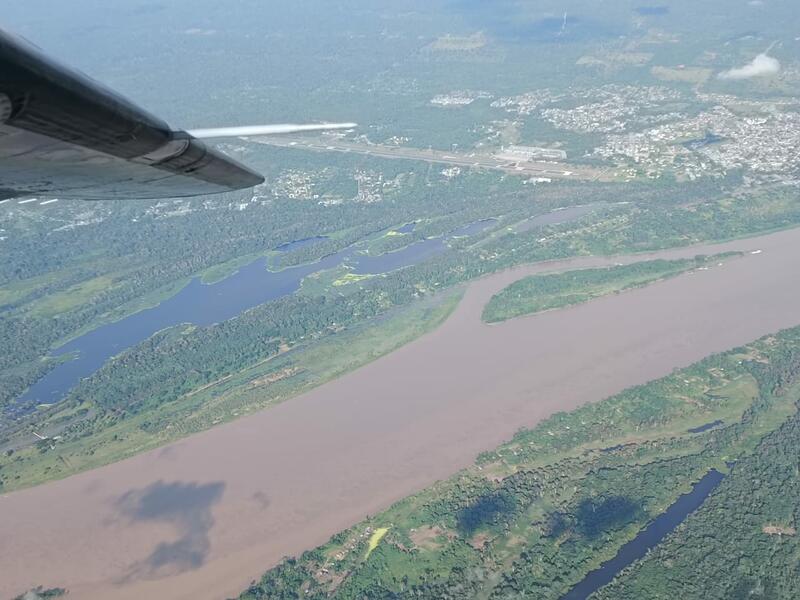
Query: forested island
(538, 293)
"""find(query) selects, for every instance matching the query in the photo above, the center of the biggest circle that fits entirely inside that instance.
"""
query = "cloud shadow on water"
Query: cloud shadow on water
(185, 506)
(516, 22)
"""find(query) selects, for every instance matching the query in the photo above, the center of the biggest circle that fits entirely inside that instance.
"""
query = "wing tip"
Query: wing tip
(257, 130)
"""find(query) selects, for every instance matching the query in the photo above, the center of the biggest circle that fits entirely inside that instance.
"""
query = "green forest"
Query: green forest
(538, 293)
(534, 516)
(742, 543)
(167, 369)
(658, 147)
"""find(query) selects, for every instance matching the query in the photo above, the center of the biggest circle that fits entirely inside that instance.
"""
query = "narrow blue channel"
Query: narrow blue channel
(648, 538)
(415, 253)
(705, 427)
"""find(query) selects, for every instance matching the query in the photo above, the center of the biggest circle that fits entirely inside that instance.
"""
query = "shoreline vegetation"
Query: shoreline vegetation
(146, 412)
(136, 396)
(132, 283)
(637, 227)
(534, 516)
(87, 437)
(539, 293)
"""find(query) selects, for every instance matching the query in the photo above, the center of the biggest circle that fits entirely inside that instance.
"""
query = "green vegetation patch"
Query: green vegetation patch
(533, 517)
(96, 426)
(756, 558)
(538, 293)
(81, 293)
(224, 270)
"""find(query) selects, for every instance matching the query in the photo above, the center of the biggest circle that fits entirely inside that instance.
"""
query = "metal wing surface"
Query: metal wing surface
(64, 135)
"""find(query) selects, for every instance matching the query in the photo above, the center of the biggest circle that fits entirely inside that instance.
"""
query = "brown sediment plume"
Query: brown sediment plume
(207, 515)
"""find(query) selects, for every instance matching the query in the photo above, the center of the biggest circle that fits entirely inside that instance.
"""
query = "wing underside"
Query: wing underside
(64, 135)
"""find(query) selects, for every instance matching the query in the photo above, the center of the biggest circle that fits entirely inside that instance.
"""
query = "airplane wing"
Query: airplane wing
(64, 135)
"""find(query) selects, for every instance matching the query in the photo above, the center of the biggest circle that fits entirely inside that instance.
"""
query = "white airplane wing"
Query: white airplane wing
(255, 130)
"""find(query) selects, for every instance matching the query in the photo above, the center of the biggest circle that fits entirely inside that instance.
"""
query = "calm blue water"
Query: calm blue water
(705, 427)
(648, 538)
(407, 228)
(204, 305)
(289, 246)
(472, 228)
(197, 303)
(410, 255)
(415, 253)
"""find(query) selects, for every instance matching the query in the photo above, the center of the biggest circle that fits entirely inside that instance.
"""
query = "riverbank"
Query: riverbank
(286, 479)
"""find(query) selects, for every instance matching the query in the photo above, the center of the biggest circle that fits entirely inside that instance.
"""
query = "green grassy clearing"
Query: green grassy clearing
(70, 298)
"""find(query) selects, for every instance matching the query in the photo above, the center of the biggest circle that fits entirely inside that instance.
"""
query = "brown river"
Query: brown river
(201, 518)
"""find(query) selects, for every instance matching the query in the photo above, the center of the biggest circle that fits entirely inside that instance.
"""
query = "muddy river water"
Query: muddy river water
(203, 517)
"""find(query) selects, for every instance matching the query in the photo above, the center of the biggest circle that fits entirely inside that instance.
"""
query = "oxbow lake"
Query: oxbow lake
(205, 304)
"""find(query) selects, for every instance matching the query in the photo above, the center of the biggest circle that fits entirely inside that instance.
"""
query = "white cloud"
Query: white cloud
(196, 31)
(761, 65)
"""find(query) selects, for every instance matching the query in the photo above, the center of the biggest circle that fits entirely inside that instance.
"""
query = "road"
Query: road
(547, 170)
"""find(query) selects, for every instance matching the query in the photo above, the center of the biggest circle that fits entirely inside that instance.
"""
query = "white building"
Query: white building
(529, 153)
